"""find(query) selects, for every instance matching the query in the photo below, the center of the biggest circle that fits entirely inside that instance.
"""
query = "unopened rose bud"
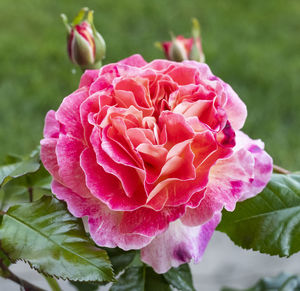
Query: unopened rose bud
(180, 48)
(86, 47)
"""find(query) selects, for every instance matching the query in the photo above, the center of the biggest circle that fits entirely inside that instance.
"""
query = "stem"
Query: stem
(11, 276)
(30, 191)
(52, 283)
(280, 170)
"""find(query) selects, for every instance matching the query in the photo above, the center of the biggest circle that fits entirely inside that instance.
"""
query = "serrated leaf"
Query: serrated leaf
(282, 282)
(140, 279)
(180, 278)
(269, 222)
(84, 286)
(120, 259)
(45, 235)
(19, 167)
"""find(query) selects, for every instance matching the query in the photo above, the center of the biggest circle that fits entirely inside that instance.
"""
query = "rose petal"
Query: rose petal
(68, 113)
(103, 223)
(178, 245)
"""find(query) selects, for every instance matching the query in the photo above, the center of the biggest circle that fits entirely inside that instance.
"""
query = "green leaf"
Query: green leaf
(120, 259)
(180, 278)
(85, 286)
(140, 279)
(19, 167)
(282, 282)
(18, 189)
(45, 235)
(269, 222)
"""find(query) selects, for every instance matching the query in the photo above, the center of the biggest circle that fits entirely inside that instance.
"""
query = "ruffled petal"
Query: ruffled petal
(68, 113)
(104, 224)
(178, 245)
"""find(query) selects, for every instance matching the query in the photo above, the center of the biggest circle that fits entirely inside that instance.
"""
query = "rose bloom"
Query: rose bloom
(151, 153)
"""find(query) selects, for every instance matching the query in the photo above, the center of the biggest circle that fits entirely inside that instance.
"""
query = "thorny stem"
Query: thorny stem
(280, 170)
(11, 276)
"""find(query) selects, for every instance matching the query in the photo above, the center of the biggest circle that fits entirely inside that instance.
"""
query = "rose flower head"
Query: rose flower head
(86, 46)
(181, 49)
(150, 153)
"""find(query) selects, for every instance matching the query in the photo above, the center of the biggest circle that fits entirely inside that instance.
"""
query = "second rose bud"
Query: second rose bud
(181, 48)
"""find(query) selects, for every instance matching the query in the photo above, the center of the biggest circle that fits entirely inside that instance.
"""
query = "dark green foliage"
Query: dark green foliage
(45, 235)
(141, 278)
(269, 222)
(180, 278)
(282, 282)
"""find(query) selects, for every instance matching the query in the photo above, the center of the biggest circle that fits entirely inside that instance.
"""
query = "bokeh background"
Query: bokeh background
(254, 45)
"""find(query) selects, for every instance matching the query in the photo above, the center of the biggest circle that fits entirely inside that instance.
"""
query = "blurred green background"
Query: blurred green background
(252, 44)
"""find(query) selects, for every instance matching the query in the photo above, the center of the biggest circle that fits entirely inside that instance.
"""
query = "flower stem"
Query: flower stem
(52, 283)
(280, 170)
(11, 276)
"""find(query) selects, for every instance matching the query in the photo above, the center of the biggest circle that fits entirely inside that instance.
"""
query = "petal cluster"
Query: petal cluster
(151, 153)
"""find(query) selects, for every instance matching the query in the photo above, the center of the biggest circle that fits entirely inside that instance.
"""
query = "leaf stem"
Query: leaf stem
(8, 274)
(52, 283)
(30, 191)
(280, 170)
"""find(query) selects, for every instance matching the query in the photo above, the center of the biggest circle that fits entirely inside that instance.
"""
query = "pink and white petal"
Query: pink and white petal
(228, 180)
(48, 156)
(179, 244)
(68, 113)
(52, 127)
(68, 151)
(235, 108)
(263, 167)
(104, 224)
(148, 222)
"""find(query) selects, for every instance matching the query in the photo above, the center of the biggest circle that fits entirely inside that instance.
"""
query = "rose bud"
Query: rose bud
(86, 46)
(181, 49)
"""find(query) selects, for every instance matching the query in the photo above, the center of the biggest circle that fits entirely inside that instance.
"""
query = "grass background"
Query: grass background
(252, 44)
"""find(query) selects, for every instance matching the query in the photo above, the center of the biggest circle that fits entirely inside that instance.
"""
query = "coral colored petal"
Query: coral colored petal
(103, 223)
(183, 75)
(179, 245)
(177, 129)
(128, 176)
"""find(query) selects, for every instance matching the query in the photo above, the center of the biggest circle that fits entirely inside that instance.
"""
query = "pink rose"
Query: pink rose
(151, 153)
